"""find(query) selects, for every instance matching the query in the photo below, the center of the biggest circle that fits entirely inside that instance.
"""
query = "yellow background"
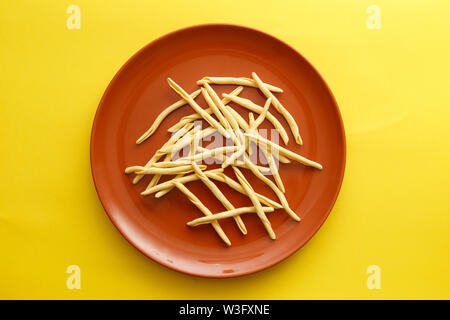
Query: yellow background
(392, 88)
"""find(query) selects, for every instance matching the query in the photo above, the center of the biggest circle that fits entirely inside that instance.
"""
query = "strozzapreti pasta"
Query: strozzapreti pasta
(223, 120)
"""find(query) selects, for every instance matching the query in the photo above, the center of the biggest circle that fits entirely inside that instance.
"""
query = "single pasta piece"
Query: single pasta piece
(163, 115)
(251, 120)
(220, 196)
(285, 152)
(250, 148)
(185, 120)
(259, 210)
(195, 116)
(237, 81)
(196, 201)
(276, 103)
(250, 105)
(196, 140)
(205, 115)
(226, 214)
(171, 183)
(166, 191)
(162, 171)
(170, 164)
(282, 158)
(252, 129)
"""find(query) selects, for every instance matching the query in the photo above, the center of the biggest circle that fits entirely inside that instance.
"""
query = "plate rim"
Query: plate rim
(289, 252)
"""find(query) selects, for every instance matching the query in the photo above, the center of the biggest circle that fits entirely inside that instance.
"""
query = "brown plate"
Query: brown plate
(139, 92)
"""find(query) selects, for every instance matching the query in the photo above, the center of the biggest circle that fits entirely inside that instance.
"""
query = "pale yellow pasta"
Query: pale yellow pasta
(275, 189)
(274, 169)
(262, 115)
(235, 155)
(285, 152)
(208, 153)
(220, 196)
(196, 140)
(163, 115)
(236, 81)
(198, 157)
(220, 105)
(197, 135)
(170, 164)
(254, 124)
(186, 140)
(226, 214)
(251, 122)
(279, 156)
(198, 109)
(171, 183)
(185, 120)
(165, 191)
(177, 135)
(196, 116)
(282, 158)
(236, 136)
(222, 157)
(246, 140)
(251, 194)
(215, 109)
(162, 171)
(196, 201)
(248, 104)
(236, 186)
(155, 179)
(251, 119)
(282, 110)
(234, 119)
(242, 123)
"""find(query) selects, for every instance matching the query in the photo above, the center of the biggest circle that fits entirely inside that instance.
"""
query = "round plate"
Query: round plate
(139, 92)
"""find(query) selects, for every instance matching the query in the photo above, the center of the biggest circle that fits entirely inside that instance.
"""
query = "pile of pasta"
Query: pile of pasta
(221, 117)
